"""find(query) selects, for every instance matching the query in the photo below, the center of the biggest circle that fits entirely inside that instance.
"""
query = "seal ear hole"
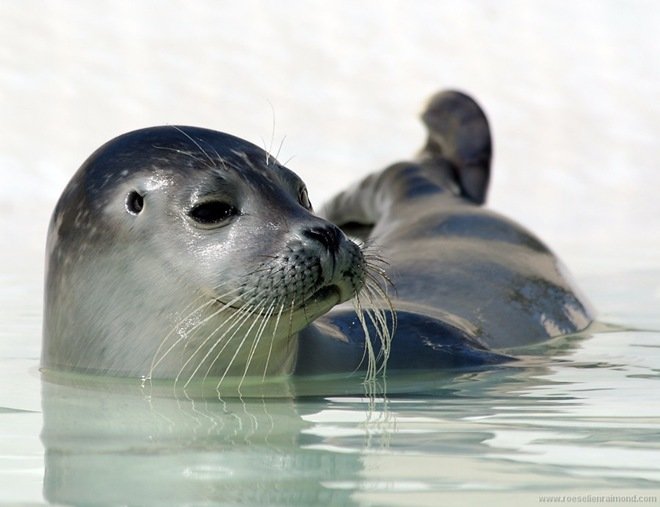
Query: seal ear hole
(303, 198)
(134, 203)
(212, 212)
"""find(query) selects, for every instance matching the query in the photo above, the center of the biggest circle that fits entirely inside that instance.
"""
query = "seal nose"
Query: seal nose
(329, 236)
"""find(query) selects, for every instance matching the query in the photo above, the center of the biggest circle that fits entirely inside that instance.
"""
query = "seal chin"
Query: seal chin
(320, 302)
(329, 294)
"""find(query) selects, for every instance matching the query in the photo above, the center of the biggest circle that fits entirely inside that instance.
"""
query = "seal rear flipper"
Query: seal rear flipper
(335, 344)
(456, 158)
(459, 133)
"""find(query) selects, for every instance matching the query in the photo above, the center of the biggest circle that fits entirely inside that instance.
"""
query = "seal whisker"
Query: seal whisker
(265, 316)
(217, 156)
(375, 271)
(279, 149)
(377, 264)
(238, 320)
(357, 305)
(257, 339)
(232, 321)
(290, 330)
(240, 346)
(229, 321)
(373, 291)
(262, 268)
(383, 353)
(194, 329)
(374, 257)
(272, 134)
(154, 361)
(380, 291)
(378, 319)
(369, 349)
(197, 325)
(247, 309)
(199, 146)
(380, 284)
(272, 339)
(181, 152)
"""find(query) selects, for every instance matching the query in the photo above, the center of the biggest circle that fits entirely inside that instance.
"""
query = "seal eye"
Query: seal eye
(134, 203)
(212, 212)
(303, 198)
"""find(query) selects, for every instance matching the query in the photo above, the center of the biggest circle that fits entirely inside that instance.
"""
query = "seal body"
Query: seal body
(469, 284)
(184, 253)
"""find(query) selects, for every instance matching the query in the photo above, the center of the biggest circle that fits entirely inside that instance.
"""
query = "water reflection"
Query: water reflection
(545, 424)
(123, 443)
(125, 447)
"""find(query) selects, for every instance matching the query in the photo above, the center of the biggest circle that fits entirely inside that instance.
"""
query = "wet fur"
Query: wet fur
(99, 286)
(437, 281)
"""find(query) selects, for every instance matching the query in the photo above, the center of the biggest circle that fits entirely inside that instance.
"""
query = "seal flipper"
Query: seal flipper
(459, 133)
(334, 343)
(458, 148)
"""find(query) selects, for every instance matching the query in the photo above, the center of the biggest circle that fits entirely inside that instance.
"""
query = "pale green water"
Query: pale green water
(579, 416)
(556, 426)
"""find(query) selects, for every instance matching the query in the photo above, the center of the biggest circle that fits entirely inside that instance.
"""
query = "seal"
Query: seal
(471, 285)
(185, 253)
(177, 252)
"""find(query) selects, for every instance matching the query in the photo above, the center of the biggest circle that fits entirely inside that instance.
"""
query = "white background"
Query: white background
(572, 90)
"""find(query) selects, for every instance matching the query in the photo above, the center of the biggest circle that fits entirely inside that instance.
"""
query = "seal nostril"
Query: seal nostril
(329, 236)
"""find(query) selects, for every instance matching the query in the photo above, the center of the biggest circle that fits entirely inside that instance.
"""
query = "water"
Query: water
(572, 95)
(579, 416)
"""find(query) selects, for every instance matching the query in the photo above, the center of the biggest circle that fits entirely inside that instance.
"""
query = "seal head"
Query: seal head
(179, 252)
